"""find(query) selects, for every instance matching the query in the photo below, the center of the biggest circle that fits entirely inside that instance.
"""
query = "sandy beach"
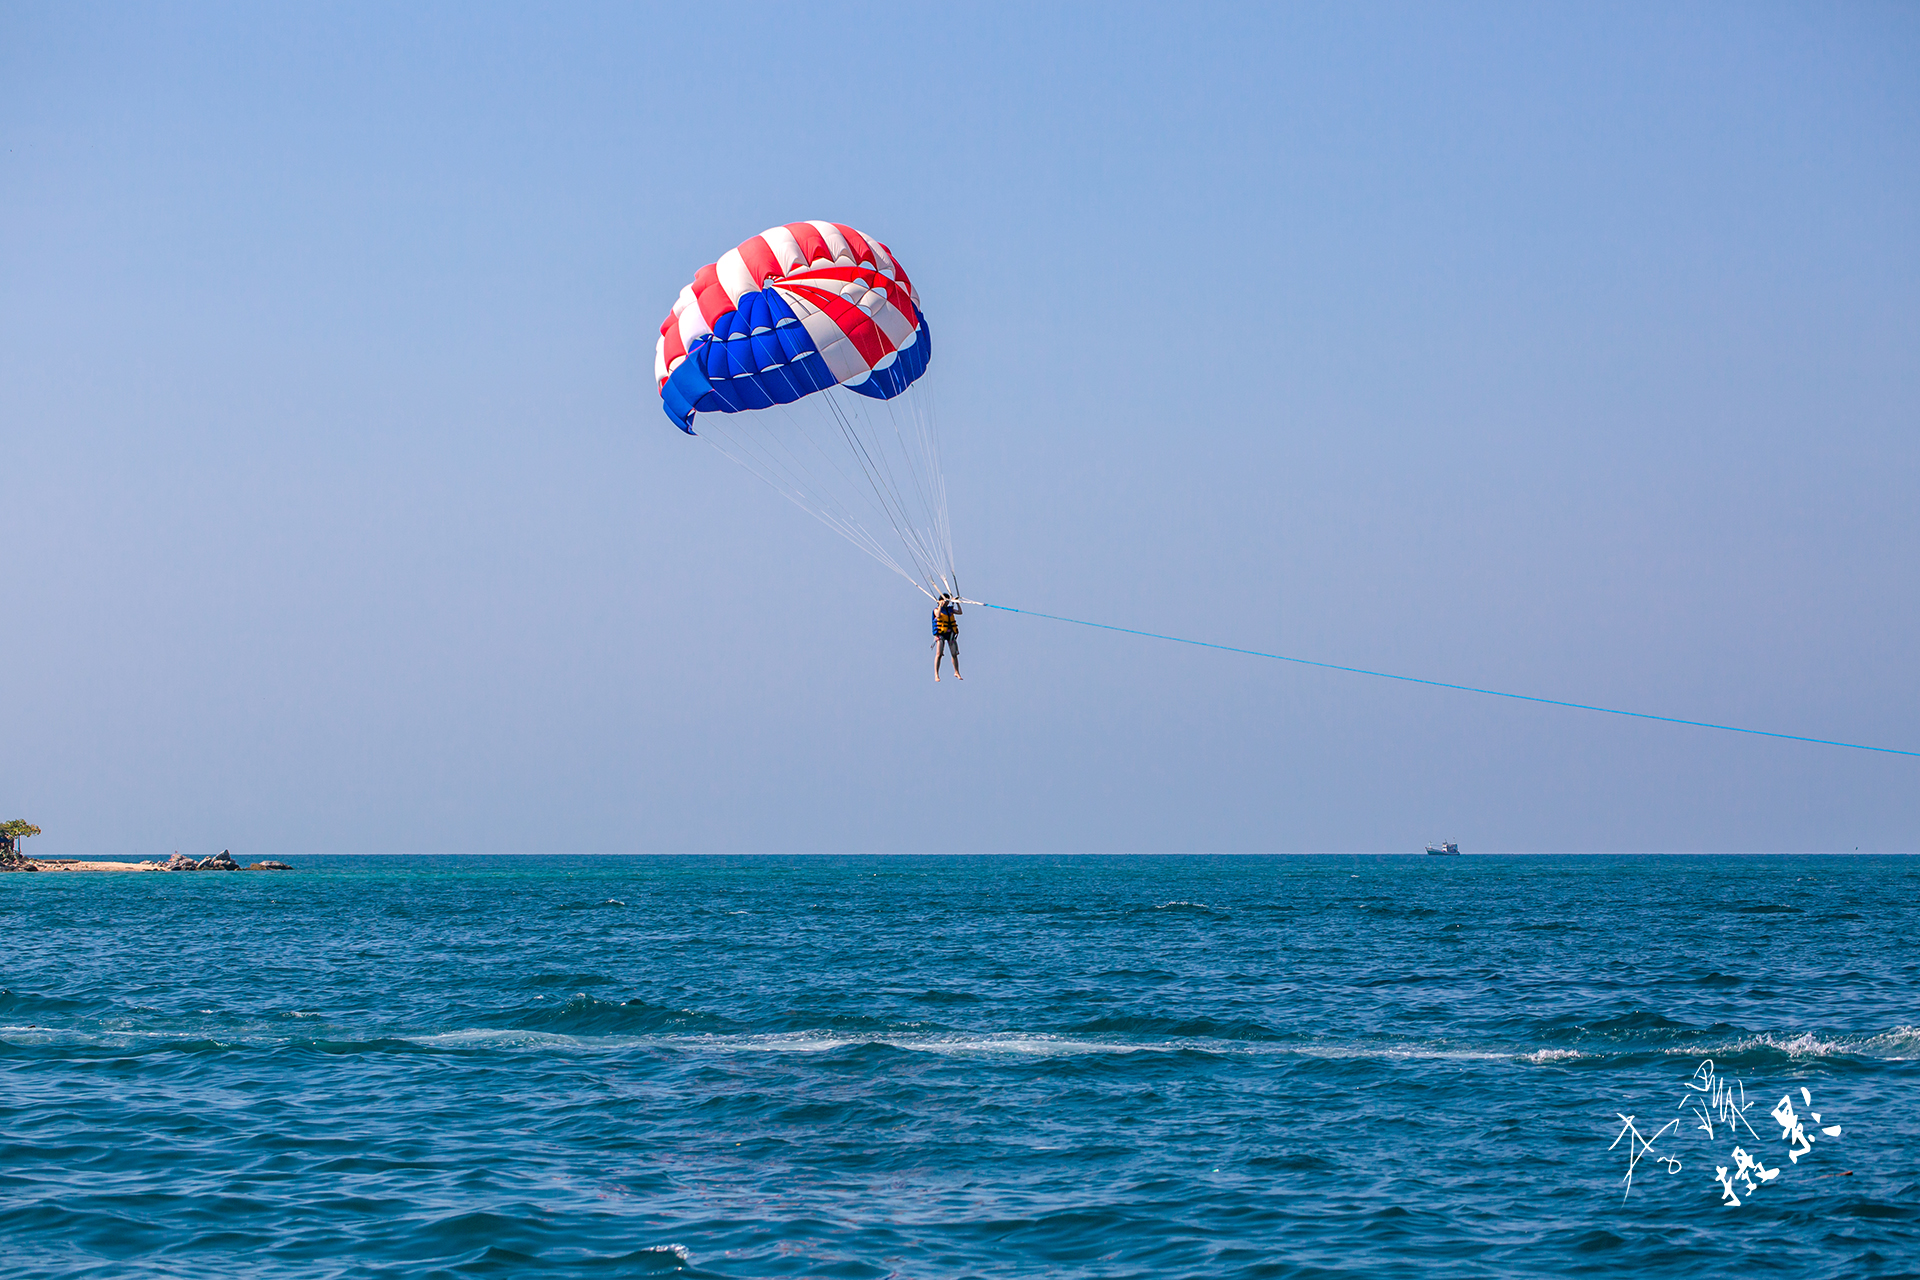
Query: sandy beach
(64, 864)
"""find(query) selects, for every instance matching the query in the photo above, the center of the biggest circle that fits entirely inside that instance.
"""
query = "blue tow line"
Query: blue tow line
(1464, 688)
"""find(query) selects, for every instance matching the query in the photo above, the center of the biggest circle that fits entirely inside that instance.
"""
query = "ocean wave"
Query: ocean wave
(1548, 1056)
(1050, 1044)
(513, 1038)
(1897, 1045)
(575, 980)
(1008, 1043)
(30, 1005)
(132, 1042)
(1180, 1028)
(585, 1015)
(1013, 1045)
(1620, 1026)
(586, 1025)
(1902, 1041)
(1406, 979)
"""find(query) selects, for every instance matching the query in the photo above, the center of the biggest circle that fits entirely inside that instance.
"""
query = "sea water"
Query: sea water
(964, 1066)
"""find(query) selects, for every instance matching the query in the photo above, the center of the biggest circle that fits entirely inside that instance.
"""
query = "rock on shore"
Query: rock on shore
(221, 861)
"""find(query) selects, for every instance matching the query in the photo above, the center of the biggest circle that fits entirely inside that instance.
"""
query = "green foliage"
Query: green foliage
(19, 829)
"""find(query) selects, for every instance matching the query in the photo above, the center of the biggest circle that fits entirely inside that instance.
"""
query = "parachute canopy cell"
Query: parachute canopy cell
(797, 309)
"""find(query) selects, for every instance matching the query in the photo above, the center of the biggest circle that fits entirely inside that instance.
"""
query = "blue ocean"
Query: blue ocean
(965, 1066)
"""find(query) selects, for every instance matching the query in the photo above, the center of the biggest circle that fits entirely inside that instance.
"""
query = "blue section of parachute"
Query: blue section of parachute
(761, 355)
(908, 365)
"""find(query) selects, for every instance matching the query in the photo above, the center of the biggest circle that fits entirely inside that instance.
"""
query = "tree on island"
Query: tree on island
(11, 834)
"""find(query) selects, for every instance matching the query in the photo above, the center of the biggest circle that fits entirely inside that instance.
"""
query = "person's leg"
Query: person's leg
(953, 651)
(939, 652)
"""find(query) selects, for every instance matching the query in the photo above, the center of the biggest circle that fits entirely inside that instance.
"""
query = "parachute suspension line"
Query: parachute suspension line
(1463, 688)
(940, 477)
(925, 529)
(922, 409)
(794, 479)
(927, 485)
(795, 490)
(913, 460)
(887, 494)
(887, 485)
(873, 483)
(940, 485)
(853, 533)
(919, 487)
(768, 471)
(831, 460)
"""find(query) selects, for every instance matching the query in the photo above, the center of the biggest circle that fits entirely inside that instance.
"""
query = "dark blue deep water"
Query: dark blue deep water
(994, 1066)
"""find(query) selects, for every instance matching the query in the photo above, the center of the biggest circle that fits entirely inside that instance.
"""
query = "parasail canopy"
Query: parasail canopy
(795, 310)
(763, 348)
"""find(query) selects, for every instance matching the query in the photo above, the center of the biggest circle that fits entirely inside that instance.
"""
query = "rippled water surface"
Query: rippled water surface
(1005, 1066)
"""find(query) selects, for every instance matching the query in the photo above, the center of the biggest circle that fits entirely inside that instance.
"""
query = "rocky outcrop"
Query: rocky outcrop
(268, 866)
(221, 861)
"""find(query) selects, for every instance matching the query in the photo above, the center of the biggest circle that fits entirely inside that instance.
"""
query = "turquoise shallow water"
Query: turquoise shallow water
(1007, 1066)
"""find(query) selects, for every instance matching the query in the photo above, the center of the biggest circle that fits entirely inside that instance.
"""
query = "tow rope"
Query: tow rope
(1463, 688)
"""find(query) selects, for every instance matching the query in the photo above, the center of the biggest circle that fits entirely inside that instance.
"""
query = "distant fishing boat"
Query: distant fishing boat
(1443, 850)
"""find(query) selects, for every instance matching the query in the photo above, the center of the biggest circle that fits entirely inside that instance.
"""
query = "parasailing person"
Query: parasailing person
(946, 634)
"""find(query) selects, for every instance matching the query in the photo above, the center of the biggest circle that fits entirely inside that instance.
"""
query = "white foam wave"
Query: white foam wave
(1542, 1056)
(1388, 1052)
(1897, 1045)
(497, 1038)
(1011, 1043)
(1002, 1044)
(1007, 1044)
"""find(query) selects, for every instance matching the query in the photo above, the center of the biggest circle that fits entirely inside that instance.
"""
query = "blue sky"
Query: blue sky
(1569, 350)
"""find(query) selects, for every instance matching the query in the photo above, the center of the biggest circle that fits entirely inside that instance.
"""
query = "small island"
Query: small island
(12, 859)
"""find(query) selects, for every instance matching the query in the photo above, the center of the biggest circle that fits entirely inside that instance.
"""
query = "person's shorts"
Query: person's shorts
(952, 641)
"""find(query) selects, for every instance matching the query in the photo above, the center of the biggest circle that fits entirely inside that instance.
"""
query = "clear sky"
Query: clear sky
(1564, 349)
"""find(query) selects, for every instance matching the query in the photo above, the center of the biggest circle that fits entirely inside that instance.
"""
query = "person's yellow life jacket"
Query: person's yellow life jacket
(945, 624)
